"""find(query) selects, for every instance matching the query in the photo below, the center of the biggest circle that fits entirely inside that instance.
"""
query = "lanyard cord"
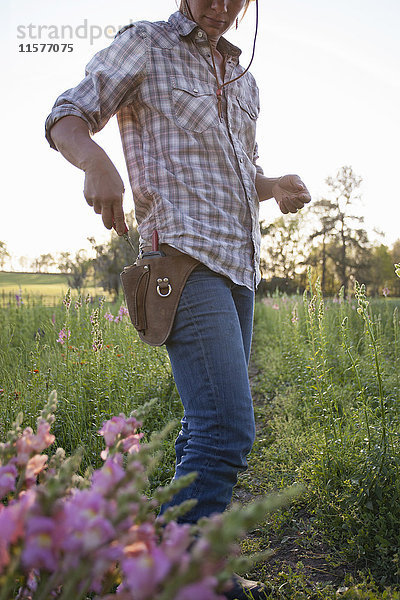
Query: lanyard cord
(222, 84)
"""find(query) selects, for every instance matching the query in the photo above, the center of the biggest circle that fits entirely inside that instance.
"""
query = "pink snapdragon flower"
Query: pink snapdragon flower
(144, 571)
(202, 590)
(105, 480)
(84, 526)
(39, 550)
(176, 540)
(8, 475)
(12, 524)
(123, 427)
(35, 465)
(109, 316)
(30, 443)
(63, 336)
(123, 312)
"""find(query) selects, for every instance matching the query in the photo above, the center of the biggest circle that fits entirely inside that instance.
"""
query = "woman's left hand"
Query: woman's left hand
(290, 193)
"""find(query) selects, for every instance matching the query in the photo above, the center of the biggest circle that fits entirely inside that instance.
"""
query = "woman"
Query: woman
(187, 115)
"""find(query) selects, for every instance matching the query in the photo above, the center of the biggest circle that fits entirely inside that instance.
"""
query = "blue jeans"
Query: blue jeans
(209, 349)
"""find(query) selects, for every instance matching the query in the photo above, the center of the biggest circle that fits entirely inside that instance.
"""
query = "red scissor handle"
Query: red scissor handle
(154, 241)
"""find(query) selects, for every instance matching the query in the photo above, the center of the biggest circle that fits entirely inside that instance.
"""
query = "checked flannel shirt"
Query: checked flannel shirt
(192, 173)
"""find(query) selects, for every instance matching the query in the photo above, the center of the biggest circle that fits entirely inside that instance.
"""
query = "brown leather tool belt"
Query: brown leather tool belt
(153, 287)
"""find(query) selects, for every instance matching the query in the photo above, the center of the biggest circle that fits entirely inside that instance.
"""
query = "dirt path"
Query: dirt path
(297, 547)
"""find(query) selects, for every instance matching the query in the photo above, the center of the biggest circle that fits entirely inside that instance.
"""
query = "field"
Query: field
(42, 287)
(326, 383)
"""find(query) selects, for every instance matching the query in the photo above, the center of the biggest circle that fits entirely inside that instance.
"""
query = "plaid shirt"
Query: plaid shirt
(192, 173)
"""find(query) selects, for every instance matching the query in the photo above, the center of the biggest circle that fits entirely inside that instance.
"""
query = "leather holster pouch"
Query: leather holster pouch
(152, 288)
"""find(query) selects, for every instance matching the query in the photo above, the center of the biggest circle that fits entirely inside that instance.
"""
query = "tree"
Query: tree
(284, 247)
(76, 268)
(23, 262)
(45, 261)
(4, 254)
(349, 244)
(320, 256)
(395, 252)
(381, 270)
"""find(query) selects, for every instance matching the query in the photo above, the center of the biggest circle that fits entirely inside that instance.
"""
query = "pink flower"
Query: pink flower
(30, 443)
(131, 444)
(108, 316)
(35, 465)
(64, 335)
(123, 311)
(203, 590)
(12, 524)
(8, 475)
(118, 426)
(176, 540)
(386, 292)
(107, 478)
(275, 307)
(112, 429)
(83, 526)
(39, 548)
(144, 572)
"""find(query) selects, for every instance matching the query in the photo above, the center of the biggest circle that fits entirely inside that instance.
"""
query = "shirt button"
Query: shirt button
(199, 34)
(240, 160)
(196, 91)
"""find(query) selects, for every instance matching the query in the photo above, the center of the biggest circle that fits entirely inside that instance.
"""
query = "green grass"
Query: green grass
(327, 401)
(92, 385)
(41, 288)
(326, 383)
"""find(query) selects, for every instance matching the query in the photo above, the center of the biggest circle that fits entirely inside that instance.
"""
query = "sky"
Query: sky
(329, 79)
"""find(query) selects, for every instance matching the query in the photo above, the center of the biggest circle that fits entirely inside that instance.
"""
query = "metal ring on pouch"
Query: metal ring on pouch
(164, 295)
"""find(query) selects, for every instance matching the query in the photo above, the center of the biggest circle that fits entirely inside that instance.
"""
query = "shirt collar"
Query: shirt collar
(185, 27)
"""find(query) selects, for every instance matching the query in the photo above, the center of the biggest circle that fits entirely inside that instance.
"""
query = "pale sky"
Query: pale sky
(329, 79)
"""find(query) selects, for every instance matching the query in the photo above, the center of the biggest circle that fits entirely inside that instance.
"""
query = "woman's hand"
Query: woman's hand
(104, 187)
(290, 193)
(104, 190)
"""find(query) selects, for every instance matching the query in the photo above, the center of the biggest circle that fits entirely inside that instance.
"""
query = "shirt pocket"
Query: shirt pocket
(248, 114)
(194, 104)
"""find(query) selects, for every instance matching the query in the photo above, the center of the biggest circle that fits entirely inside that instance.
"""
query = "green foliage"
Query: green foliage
(330, 236)
(329, 376)
(99, 370)
(330, 370)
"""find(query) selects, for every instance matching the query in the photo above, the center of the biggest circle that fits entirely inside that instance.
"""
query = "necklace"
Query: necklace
(222, 84)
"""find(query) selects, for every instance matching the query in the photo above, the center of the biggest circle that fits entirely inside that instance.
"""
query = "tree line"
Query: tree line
(328, 235)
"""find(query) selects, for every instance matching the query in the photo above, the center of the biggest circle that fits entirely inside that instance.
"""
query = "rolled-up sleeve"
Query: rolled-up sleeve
(112, 79)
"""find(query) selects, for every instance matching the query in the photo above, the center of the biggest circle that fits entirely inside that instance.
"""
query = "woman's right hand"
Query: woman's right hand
(104, 188)
(104, 191)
